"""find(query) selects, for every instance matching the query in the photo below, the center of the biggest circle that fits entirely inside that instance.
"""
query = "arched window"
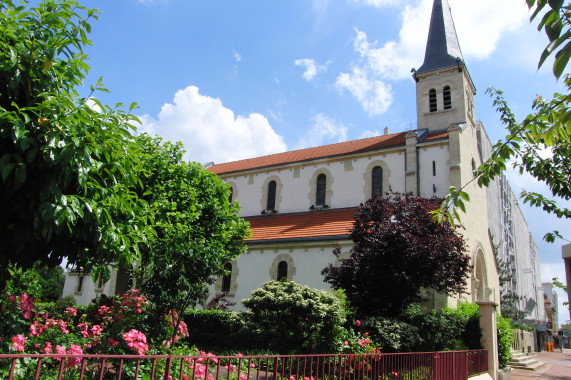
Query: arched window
(447, 98)
(432, 100)
(227, 278)
(321, 189)
(79, 287)
(377, 181)
(271, 203)
(282, 271)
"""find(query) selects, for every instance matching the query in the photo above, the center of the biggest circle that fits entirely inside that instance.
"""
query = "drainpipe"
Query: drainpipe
(417, 171)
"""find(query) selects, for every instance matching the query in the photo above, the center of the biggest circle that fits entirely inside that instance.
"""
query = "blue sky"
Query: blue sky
(237, 79)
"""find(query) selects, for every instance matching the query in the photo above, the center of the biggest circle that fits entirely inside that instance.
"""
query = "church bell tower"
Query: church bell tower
(444, 89)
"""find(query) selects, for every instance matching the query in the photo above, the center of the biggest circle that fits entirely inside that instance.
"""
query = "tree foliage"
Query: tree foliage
(398, 250)
(510, 300)
(555, 22)
(539, 145)
(197, 229)
(77, 183)
(68, 163)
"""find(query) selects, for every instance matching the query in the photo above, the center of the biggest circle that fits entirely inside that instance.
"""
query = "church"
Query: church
(300, 204)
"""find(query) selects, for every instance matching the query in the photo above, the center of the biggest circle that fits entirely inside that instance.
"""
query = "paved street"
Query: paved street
(557, 367)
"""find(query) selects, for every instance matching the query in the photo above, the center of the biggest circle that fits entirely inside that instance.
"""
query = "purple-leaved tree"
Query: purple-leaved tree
(398, 250)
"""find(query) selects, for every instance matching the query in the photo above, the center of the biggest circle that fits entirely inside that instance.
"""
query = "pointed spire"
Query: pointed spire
(442, 48)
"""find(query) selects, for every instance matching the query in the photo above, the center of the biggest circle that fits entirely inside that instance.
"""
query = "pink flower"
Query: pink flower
(34, 327)
(83, 329)
(70, 311)
(60, 350)
(26, 305)
(48, 348)
(12, 298)
(63, 326)
(346, 343)
(96, 330)
(74, 350)
(358, 322)
(137, 341)
(18, 342)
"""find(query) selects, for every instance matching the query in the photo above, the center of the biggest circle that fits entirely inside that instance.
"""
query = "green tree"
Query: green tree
(198, 229)
(398, 250)
(68, 164)
(561, 286)
(544, 132)
(51, 281)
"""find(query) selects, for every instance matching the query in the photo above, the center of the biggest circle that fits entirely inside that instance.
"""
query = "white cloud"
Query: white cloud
(373, 94)
(479, 24)
(377, 3)
(311, 68)
(323, 131)
(210, 131)
(94, 106)
(237, 56)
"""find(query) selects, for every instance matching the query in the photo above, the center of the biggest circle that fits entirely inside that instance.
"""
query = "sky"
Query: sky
(238, 79)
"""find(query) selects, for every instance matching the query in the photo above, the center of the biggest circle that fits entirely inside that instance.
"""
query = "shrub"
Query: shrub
(447, 329)
(221, 332)
(391, 334)
(295, 318)
(505, 340)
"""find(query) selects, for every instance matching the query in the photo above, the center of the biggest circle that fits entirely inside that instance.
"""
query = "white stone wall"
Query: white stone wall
(306, 261)
(434, 180)
(89, 290)
(346, 180)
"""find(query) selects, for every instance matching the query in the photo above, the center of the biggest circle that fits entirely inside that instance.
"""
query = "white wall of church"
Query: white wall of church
(81, 286)
(259, 265)
(437, 179)
(347, 184)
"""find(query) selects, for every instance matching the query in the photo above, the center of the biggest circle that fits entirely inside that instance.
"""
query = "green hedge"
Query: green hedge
(415, 331)
(221, 332)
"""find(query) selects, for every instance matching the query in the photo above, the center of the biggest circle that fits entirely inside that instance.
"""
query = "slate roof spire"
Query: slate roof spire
(442, 47)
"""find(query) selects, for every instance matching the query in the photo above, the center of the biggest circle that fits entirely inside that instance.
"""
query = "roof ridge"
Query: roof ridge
(322, 151)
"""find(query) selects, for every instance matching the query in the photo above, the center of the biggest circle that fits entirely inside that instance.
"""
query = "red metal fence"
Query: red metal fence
(447, 365)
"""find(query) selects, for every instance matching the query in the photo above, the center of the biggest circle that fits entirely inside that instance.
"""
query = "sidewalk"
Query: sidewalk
(557, 367)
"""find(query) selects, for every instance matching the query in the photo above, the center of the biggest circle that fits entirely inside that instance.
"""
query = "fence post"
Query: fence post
(566, 255)
(489, 326)
(436, 366)
(167, 368)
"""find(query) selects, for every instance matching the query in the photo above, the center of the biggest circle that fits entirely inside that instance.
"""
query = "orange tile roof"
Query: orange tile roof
(306, 225)
(436, 135)
(343, 148)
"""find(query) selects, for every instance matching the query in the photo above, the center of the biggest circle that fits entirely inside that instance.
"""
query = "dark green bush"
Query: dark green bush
(446, 329)
(391, 334)
(221, 332)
